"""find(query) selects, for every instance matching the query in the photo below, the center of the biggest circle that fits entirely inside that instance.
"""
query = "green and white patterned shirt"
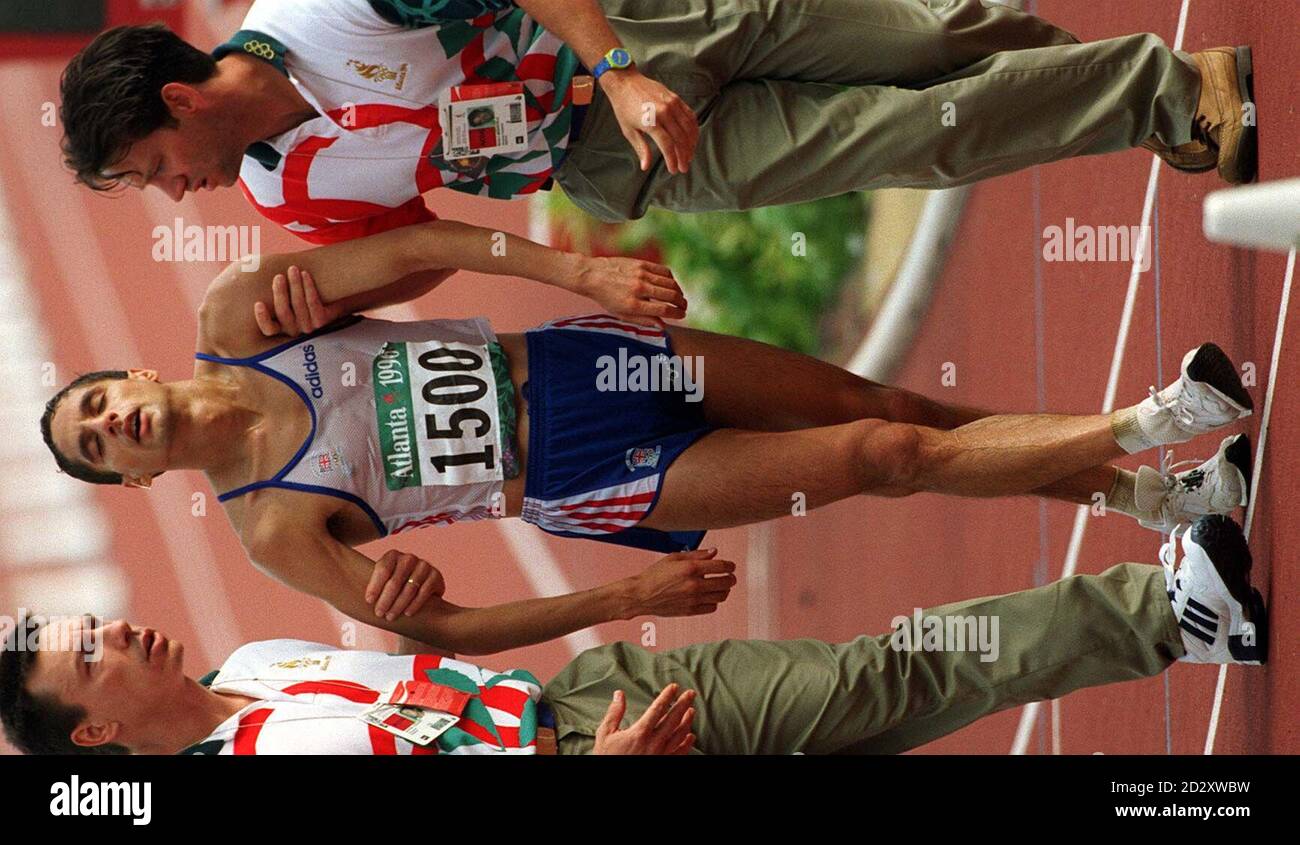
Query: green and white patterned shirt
(308, 697)
(375, 70)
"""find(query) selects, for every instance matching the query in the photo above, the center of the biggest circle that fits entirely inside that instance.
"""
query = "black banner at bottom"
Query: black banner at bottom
(306, 793)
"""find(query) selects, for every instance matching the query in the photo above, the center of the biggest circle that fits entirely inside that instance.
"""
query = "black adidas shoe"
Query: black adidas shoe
(1223, 618)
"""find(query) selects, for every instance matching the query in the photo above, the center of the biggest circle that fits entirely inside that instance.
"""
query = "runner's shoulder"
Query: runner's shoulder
(272, 523)
(227, 327)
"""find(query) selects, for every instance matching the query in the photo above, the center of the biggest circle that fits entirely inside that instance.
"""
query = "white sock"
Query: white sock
(1126, 425)
(1120, 498)
(1137, 494)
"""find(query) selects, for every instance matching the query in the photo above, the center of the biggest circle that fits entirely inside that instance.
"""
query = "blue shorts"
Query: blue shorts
(600, 437)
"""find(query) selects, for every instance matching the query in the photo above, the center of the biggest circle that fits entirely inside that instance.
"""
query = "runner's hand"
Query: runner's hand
(296, 307)
(401, 583)
(662, 729)
(640, 292)
(645, 107)
(683, 584)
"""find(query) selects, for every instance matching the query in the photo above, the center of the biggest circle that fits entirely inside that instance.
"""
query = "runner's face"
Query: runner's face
(115, 671)
(194, 156)
(116, 425)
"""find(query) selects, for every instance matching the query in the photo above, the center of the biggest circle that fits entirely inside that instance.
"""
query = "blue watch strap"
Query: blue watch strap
(615, 59)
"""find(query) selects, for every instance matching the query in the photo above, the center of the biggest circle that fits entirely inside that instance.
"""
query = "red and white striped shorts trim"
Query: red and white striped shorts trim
(606, 324)
(604, 511)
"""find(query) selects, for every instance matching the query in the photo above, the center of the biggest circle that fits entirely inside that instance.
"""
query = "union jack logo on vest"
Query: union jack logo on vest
(640, 457)
(331, 461)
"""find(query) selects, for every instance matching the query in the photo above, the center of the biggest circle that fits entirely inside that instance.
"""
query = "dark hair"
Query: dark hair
(37, 724)
(112, 95)
(74, 468)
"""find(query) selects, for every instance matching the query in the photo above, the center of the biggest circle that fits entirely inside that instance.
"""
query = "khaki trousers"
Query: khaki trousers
(869, 697)
(803, 99)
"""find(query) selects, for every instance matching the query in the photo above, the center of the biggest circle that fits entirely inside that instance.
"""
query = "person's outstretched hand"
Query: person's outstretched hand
(664, 728)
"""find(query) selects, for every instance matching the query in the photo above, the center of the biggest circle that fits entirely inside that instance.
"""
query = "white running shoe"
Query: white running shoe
(1207, 395)
(1222, 618)
(1219, 485)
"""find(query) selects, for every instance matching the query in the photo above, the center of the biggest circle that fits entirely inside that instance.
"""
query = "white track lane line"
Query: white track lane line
(760, 582)
(1029, 715)
(1215, 710)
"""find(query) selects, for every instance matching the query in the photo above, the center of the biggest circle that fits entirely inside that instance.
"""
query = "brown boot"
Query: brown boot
(1226, 78)
(1193, 157)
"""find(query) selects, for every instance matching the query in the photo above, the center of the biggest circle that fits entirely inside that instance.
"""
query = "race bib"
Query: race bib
(436, 406)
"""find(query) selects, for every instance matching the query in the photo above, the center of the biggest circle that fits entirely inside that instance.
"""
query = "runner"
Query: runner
(885, 694)
(586, 427)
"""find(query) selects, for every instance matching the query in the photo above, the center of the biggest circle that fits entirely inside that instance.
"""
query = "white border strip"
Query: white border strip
(761, 589)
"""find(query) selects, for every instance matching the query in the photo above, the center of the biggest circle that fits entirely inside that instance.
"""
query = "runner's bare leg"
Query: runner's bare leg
(731, 477)
(758, 387)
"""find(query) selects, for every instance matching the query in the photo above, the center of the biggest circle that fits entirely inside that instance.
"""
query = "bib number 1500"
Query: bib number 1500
(453, 381)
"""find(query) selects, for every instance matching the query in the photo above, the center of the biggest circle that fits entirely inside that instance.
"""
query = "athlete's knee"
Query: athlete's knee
(858, 399)
(863, 400)
(891, 455)
(903, 405)
(906, 406)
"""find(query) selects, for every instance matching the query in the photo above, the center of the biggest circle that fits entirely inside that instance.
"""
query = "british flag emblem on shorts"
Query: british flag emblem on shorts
(640, 457)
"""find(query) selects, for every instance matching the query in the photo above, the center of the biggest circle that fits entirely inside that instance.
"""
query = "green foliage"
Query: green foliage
(743, 272)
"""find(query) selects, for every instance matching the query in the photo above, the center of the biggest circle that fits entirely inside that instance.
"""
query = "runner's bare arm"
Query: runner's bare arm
(298, 309)
(404, 289)
(378, 270)
(310, 560)
(640, 291)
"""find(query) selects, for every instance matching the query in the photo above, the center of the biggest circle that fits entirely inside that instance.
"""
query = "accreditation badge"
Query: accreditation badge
(412, 724)
(437, 413)
(417, 711)
(482, 121)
